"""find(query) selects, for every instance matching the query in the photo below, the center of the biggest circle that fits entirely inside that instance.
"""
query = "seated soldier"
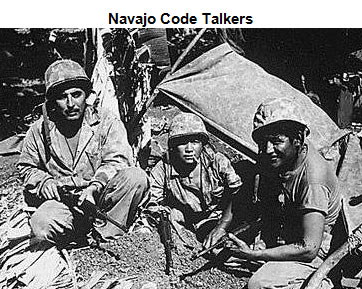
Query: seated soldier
(300, 200)
(77, 148)
(196, 183)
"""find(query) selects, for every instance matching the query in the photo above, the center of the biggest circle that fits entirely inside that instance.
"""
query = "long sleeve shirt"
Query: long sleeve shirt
(199, 192)
(102, 150)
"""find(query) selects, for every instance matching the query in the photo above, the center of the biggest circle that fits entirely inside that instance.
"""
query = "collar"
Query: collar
(91, 116)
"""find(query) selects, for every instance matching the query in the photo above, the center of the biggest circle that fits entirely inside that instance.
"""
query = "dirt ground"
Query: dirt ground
(137, 258)
(10, 187)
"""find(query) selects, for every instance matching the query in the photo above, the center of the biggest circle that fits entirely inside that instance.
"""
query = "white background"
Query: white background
(92, 13)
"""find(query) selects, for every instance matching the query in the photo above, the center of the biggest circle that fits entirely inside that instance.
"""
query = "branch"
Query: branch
(354, 241)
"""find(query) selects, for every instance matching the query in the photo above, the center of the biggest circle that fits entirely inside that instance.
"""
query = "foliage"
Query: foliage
(179, 39)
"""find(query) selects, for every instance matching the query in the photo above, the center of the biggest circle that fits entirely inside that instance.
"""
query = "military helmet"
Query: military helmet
(65, 72)
(278, 113)
(187, 124)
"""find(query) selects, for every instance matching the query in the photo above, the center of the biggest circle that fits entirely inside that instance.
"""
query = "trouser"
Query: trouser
(55, 222)
(286, 274)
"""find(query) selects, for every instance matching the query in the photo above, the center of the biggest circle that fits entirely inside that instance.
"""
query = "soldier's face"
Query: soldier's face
(278, 151)
(70, 103)
(188, 149)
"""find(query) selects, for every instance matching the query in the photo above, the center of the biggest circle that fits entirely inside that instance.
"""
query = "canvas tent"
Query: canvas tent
(225, 89)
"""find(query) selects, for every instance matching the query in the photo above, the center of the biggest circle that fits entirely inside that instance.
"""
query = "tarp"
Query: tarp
(226, 89)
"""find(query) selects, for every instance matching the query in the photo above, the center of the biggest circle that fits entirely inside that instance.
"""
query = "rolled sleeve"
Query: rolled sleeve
(230, 178)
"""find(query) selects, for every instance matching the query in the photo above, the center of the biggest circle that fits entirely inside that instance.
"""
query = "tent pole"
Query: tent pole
(145, 107)
(187, 50)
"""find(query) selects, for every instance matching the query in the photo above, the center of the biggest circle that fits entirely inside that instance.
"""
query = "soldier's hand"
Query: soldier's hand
(215, 235)
(238, 247)
(49, 191)
(88, 194)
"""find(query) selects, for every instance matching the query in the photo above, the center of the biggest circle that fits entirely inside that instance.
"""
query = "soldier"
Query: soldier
(77, 147)
(299, 196)
(194, 181)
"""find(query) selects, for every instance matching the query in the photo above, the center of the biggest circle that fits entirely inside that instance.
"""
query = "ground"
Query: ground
(136, 257)
(10, 187)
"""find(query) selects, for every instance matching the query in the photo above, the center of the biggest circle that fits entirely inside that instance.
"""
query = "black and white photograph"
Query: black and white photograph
(183, 157)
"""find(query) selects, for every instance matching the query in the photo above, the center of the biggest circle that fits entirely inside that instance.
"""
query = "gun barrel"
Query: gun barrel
(169, 261)
(88, 207)
(114, 222)
(242, 229)
(166, 238)
(205, 251)
(93, 209)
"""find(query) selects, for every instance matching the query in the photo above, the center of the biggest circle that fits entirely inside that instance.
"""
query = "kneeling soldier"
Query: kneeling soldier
(299, 196)
(80, 148)
(196, 183)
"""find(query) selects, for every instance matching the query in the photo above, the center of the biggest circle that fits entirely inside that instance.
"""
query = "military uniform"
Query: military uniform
(288, 194)
(101, 157)
(199, 195)
(310, 187)
(205, 192)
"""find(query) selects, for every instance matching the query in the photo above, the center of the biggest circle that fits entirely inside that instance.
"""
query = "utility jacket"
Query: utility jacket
(217, 178)
(102, 150)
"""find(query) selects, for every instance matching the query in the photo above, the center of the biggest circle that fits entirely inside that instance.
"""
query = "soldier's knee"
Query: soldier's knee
(255, 283)
(51, 221)
(137, 177)
(41, 227)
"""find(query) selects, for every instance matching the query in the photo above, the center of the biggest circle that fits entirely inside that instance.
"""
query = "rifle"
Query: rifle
(88, 207)
(166, 238)
(245, 229)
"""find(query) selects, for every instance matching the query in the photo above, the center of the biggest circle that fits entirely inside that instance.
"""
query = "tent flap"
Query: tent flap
(226, 88)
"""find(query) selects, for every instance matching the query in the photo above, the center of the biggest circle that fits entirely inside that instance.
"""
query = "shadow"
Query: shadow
(355, 200)
(245, 204)
(243, 269)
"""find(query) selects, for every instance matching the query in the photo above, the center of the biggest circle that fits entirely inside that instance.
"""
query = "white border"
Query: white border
(266, 14)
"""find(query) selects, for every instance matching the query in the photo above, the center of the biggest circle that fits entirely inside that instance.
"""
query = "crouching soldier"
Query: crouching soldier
(81, 149)
(196, 183)
(300, 200)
